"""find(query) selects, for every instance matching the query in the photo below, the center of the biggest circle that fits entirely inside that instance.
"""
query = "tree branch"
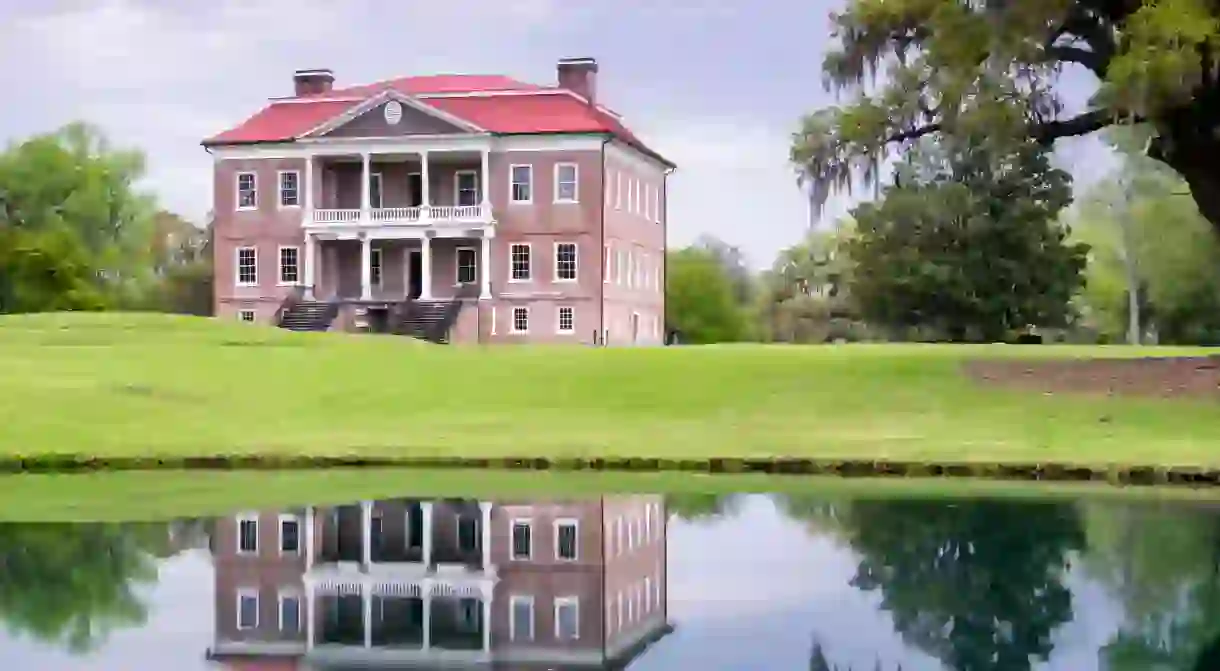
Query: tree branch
(1043, 133)
(1095, 62)
(1082, 124)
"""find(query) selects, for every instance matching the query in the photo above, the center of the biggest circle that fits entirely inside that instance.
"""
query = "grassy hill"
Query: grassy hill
(124, 384)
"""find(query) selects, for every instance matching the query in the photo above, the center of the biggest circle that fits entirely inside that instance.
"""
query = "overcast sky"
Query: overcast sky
(716, 85)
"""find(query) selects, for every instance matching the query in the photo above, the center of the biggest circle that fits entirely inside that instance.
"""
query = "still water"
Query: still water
(646, 583)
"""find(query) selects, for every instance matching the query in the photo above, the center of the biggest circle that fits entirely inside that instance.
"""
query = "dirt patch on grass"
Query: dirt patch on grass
(1169, 377)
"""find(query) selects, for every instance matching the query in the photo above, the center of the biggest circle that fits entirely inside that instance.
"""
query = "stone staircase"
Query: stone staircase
(426, 320)
(309, 316)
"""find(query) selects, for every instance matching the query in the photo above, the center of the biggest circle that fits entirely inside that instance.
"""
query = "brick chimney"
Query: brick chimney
(579, 75)
(313, 82)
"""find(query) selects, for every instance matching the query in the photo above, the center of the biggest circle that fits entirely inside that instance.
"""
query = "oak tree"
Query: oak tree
(915, 68)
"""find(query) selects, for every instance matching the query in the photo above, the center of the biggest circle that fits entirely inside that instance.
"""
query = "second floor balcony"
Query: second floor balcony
(415, 215)
(393, 190)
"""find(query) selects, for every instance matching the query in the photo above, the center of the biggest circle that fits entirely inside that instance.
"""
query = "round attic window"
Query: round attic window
(393, 112)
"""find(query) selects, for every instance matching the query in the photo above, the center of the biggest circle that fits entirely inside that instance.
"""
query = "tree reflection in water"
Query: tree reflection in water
(72, 584)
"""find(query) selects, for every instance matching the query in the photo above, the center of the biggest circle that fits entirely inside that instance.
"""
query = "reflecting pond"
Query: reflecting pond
(642, 582)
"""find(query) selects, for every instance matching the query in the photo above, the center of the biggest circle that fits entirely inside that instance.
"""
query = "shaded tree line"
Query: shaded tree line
(978, 239)
(77, 232)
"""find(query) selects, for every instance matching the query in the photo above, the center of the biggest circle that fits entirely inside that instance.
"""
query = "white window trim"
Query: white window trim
(575, 183)
(558, 328)
(376, 177)
(457, 266)
(609, 184)
(555, 269)
(608, 264)
(457, 180)
(618, 602)
(279, 266)
(248, 517)
(280, 533)
(656, 205)
(618, 534)
(512, 322)
(279, 606)
(529, 253)
(513, 168)
(618, 191)
(237, 267)
(648, 593)
(575, 523)
(237, 191)
(574, 602)
(493, 321)
(512, 545)
(243, 312)
(243, 594)
(379, 281)
(279, 190)
(512, 617)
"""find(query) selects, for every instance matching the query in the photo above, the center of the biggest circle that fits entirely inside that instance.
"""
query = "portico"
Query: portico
(393, 195)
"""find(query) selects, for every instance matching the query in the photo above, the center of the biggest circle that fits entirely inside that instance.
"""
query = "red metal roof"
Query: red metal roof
(281, 122)
(535, 112)
(439, 84)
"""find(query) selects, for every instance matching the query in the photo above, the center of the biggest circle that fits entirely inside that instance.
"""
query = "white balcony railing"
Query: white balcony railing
(392, 214)
(336, 216)
(402, 216)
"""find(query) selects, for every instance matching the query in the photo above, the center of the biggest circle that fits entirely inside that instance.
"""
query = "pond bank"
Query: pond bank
(1145, 475)
(158, 495)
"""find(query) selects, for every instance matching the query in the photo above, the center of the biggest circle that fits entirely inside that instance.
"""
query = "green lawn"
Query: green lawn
(136, 496)
(115, 385)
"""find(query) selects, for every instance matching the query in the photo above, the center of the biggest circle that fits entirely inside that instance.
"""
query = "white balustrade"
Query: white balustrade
(401, 216)
(457, 212)
(336, 216)
(393, 214)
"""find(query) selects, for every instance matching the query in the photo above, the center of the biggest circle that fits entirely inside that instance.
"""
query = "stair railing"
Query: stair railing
(400, 312)
(452, 309)
(290, 301)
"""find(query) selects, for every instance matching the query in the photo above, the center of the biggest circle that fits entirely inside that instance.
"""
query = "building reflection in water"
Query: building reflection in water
(416, 583)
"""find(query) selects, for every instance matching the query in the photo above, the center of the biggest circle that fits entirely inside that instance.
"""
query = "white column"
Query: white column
(425, 256)
(366, 533)
(427, 616)
(485, 268)
(485, 182)
(426, 183)
(486, 624)
(426, 509)
(366, 594)
(485, 527)
(309, 617)
(366, 195)
(366, 268)
(309, 538)
(308, 187)
(311, 255)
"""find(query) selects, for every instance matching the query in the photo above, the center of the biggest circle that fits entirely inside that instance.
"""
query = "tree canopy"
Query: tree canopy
(700, 302)
(913, 68)
(76, 232)
(967, 245)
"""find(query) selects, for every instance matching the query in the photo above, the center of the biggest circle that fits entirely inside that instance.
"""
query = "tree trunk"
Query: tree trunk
(1188, 141)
